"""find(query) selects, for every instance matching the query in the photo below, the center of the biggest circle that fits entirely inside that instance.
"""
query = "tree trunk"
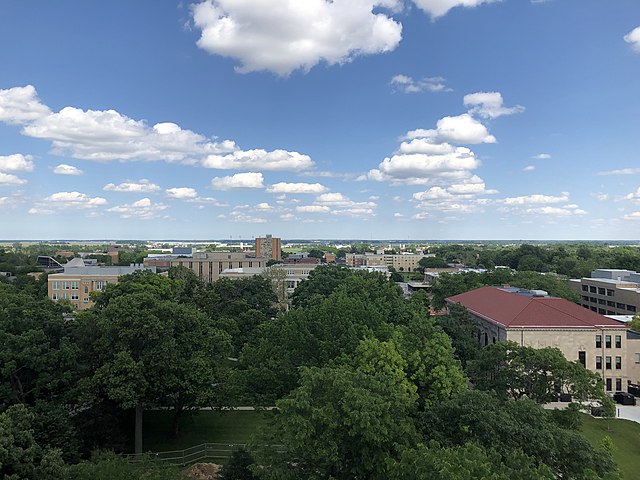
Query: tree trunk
(138, 434)
(177, 413)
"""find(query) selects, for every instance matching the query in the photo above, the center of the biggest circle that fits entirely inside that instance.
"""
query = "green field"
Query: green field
(626, 438)
(201, 427)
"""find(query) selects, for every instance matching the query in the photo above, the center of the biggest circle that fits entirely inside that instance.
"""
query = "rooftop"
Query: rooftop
(518, 310)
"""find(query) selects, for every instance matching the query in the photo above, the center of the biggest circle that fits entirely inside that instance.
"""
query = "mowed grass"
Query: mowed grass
(626, 438)
(200, 427)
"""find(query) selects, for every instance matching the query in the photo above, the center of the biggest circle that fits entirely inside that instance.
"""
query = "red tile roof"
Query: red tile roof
(515, 310)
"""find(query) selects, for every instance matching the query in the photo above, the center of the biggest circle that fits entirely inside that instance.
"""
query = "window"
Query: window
(86, 289)
(593, 299)
(602, 301)
(610, 293)
(486, 339)
(85, 300)
(610, 303)
(74, 285)
(65, 295)
(608, 382)
(618, 384)
(607, 363)
(55, 286)
(592, 289)
(582, 358)
(594, 309)
(598, 341)
(637, 357)
(65, 285)
(618, 341)
(585, 298)
(601, 291)
(99, 284)
(607, 341)
(54, 296)
(601, 311)
(618, 363)
(74, 296)
(599, 362)
(631, 308)
(621, 305)
(585, 288)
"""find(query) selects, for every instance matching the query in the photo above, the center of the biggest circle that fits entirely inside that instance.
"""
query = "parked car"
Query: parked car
(624, 398)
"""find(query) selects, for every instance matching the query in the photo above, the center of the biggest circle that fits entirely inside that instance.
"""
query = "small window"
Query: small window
(599, 361)
(593, 289)
(610, 293)
(621, 305)
(607, 341)
(85, 300)
(637, 358)
(618, 363)
(582, 358)
(631, 308)
(598, 341)
(618, 341)
(602, 301)
(607, 363)
(593, 299)
(601, 291)
(585, 288)
(610, 303)
(618, 384)
(54, 296)
(608, 382)
(602, 311)
(74, 296)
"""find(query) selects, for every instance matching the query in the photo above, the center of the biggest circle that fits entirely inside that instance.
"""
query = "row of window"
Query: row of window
(66, 296)
(607, 363)
(609, 303)
(607, 341)
(599, 290)
(64, 285)
(609, 384)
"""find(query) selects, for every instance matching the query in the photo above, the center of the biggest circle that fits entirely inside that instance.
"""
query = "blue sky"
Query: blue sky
(372, 119)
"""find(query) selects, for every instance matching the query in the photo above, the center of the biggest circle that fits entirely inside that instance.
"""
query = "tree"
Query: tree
(21, 458)
(432, 262)
(108, 466)
(150, 351)
(461, 329)
(541, 374)
(634, 324)
(515, 425)
(343, 422)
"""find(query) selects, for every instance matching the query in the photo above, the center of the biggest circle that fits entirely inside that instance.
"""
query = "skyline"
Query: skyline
(421, 119)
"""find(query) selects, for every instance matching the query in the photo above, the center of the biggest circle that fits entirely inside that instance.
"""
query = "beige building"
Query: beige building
(209, 265)
(609, 291)
(78, 281)
(269, 247)
(531, 318)
(402, 263)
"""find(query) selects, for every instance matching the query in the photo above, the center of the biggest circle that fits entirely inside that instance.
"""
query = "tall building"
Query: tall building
(269, 247)
(78, 281)
(533, 319)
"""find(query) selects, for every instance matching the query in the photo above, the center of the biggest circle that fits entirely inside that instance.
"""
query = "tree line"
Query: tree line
(367, 384)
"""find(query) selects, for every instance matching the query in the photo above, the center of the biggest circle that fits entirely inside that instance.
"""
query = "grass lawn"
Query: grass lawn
(626, 437)
(201, 427)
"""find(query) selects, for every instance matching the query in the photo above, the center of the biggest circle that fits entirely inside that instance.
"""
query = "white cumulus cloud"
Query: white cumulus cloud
(536, 199)
(284, 187)
(541, 156)
(458, 129)
(74, 200)
(622, 171)
(633, 38)
(64, 169)
(9, 179)
(142, 186)
(21, 104)
(143, 209)
(406, 84)
(16, 163)
(439, 8)
(239, 180)
(489, 105)
(313, 209)
(259, 159)
(182, 193)
(286, 35)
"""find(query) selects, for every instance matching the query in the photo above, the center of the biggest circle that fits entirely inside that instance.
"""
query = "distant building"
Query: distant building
(209, 265)
(402, 263)
(532, 318)
(609, 291)
(78, 281)
(269, 247)
(329, 257)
